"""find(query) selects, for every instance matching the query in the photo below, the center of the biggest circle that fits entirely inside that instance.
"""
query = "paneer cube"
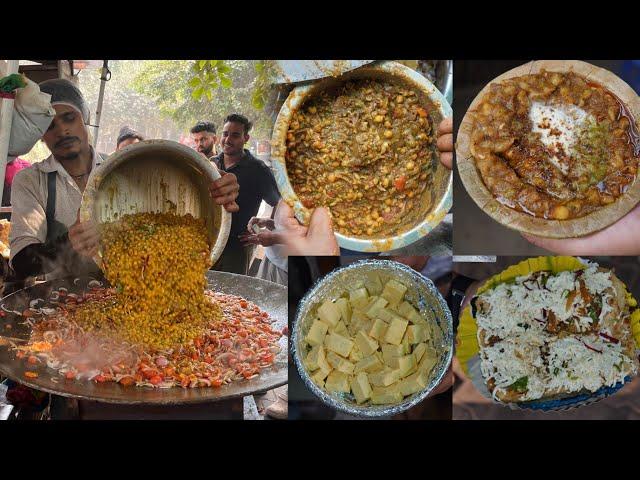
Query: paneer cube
(359, 320)
(337, 382)
(329, 313)
(340, 328)
(414, 383)
(428, 362)
(376, 306)
(360, 387)
(365, 343)
(419, 350)
(322, 359)
(406, 346)
(373, 284)
(341, 364)
(404, 364)
(320, 375)
(311, 360)
(410, 313)
(359, 297)
(345, 309)
(387, 315)
(378, 329)
(417, 333)
(390, 351)
(315, 335)
(384, 378)
(355, 355)
(338, 344)
(394, 292)
(395, 332)
(381, 396)
(368, 364)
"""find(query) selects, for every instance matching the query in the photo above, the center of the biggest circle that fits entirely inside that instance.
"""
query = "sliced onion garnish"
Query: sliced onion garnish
(76, 281)
(94, 284)
(53, 364)
(35, 301)
(48, 311)
(10, 311)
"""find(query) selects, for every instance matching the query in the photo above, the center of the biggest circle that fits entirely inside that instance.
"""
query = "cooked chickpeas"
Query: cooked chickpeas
(530, 165)
(352, 147)
(156, 261)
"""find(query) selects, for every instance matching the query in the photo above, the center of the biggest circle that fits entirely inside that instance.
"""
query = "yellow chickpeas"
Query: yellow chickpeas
(157, 263)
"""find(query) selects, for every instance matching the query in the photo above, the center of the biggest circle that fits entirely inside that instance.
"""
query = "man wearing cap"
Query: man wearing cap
(127, 136)
(46, 235)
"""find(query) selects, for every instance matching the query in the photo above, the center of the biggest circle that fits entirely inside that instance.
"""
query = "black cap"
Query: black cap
(128, 132)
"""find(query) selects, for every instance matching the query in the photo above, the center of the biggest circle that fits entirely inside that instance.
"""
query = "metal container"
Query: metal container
(421, 292)
(156, 176)
(443, 178)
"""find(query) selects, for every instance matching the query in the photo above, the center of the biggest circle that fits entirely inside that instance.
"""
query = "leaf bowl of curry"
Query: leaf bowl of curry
(364, 145)
(551, 148)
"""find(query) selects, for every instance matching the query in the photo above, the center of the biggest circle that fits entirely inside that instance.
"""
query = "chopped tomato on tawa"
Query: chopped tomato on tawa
(127, 381)
(70, 375)
(155, 379)
(20, 354)
(267, 357)
(149, 373)
(400, 183)
(100, 378)
(32, 359)
(31, 374)
(216, 383)
(243, 303)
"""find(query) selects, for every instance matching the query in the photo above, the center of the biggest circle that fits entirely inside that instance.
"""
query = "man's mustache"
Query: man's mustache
(65, 140)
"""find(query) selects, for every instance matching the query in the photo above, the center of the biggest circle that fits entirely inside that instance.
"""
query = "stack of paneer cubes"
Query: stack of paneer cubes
(372, 343)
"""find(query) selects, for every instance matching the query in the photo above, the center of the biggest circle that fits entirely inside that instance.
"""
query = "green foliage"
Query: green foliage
(123, 105)
(191, 90)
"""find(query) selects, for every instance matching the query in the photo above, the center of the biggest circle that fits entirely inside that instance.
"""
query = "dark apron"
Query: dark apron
(73, 263)
(55, 229)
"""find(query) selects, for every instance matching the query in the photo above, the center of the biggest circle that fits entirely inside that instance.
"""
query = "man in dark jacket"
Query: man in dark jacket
(256, 182)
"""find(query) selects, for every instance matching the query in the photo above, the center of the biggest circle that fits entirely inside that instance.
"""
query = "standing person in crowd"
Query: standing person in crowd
(256, 182)
(14, 165)
(127, 136)
(204, 136)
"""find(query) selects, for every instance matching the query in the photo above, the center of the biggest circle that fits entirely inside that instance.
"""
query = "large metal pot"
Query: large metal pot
(442, 184)
(157, 176)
